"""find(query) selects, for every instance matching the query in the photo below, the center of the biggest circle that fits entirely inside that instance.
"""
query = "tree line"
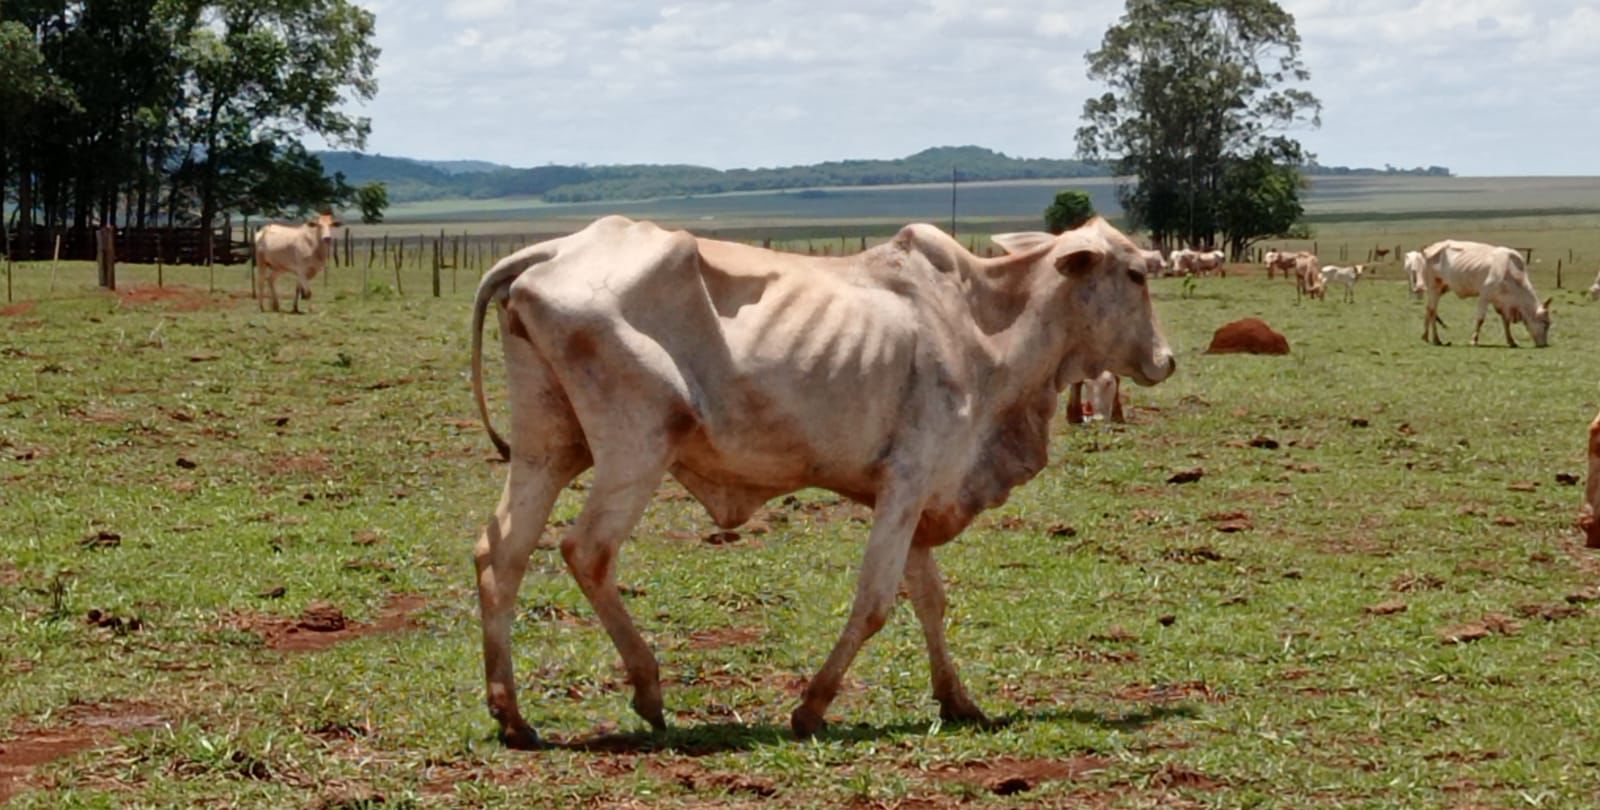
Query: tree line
(169, 112)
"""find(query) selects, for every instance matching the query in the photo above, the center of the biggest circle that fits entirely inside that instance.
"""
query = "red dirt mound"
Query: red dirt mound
(18, 309)
(1249, 336)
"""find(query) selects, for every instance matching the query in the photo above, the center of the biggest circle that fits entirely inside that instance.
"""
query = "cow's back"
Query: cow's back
(766, 368)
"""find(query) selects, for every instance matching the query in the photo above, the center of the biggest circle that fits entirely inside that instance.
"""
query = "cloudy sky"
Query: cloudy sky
(1486, 87)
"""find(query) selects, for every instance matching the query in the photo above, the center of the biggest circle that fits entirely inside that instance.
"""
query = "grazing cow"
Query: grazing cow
(1099, 398)
(1498, 276)
(1348, 276)
(1279, 262)
(1594, 289)
(299, 249)
(1589, 516)
(913, 377)
(1413, 263)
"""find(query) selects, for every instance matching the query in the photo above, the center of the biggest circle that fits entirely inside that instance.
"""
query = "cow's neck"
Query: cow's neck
(1014, 370)
(320, 247)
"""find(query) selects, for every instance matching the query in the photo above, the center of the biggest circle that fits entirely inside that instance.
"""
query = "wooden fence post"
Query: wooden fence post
(1558, 274)
(106, 256)
(160, 270)
(436, 269)
(348, 262)
(399, 261)
(55, 262)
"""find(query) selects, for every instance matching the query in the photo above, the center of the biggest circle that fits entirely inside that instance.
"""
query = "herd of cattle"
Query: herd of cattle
(914, 377)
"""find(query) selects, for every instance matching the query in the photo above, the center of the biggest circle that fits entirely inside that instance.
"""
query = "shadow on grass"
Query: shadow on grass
(716, 738)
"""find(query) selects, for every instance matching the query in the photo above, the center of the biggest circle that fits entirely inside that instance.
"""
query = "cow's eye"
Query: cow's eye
(1137, 276)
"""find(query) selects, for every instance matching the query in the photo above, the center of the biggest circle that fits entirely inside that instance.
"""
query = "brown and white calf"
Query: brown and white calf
(1279, 262)
(1496, 276)
(913, 377)
(300, 250)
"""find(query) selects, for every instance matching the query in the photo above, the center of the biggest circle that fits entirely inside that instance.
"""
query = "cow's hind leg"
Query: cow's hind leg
(501, 557)
(894, 519)
(1483, 311)
(621, 490)
(927, 597)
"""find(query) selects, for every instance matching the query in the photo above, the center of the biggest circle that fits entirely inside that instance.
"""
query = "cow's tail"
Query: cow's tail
(494, 287)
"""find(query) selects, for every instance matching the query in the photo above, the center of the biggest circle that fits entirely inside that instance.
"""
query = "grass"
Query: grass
(334, 455)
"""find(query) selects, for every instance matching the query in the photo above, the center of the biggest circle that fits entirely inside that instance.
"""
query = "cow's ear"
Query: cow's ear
(1077, 262)
(1017, 244)
(1546, 305)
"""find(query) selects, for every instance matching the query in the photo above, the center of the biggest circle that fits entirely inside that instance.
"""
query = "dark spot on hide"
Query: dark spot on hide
(681, 424)
(580, 347)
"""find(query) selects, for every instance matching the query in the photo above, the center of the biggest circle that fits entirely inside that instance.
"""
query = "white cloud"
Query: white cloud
(1484, 86)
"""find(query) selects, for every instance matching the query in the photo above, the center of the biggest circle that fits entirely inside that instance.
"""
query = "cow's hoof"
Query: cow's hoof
(520, 737)
(806, 723)
(650, 710)
(964, 712)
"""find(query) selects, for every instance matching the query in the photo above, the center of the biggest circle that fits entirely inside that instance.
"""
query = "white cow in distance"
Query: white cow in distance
(1099, 398)
(301, 250)
(1154, 265)
(913, 377)
(1497, 276)
(1348, 276)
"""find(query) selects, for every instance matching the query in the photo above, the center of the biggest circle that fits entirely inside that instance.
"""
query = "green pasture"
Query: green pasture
(193, 470)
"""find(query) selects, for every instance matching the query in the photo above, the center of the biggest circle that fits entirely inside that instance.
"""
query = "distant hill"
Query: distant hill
(411, 180)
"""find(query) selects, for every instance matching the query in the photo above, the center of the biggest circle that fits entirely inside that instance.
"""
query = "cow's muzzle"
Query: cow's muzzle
(1156, 369)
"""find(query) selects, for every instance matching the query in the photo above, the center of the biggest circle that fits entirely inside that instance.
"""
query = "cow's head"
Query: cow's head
(324, 225)
(1099, 287)
(1539, 324)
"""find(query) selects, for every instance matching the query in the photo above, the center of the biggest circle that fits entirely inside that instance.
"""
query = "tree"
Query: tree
(372, 198)
(1069, 210)
(1260, 198)
(1196, 88)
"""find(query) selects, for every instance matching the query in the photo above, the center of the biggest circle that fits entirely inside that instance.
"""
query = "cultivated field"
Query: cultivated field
(185, 479)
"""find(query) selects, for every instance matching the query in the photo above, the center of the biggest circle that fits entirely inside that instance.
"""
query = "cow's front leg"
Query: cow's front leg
(1506, 322)
(501, 557)
(894, 518)
(621, 490)
(296, 308)
(927, 597)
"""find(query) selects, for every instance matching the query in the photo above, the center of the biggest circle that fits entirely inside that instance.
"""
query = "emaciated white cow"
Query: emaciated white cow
(1498, 276)
(913, 377)
(298, 249)
(1307, 275)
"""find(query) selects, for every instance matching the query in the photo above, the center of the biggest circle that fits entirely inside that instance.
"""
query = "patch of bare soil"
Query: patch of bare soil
(18, 309)
(175, 298)
(1174, 775)
(689, 775)
(9, 575)
(82, 728)
(1492, 624)
(323, 625)
(719, 637)
(1169, 692)
(297, 464)
(1007, 776)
